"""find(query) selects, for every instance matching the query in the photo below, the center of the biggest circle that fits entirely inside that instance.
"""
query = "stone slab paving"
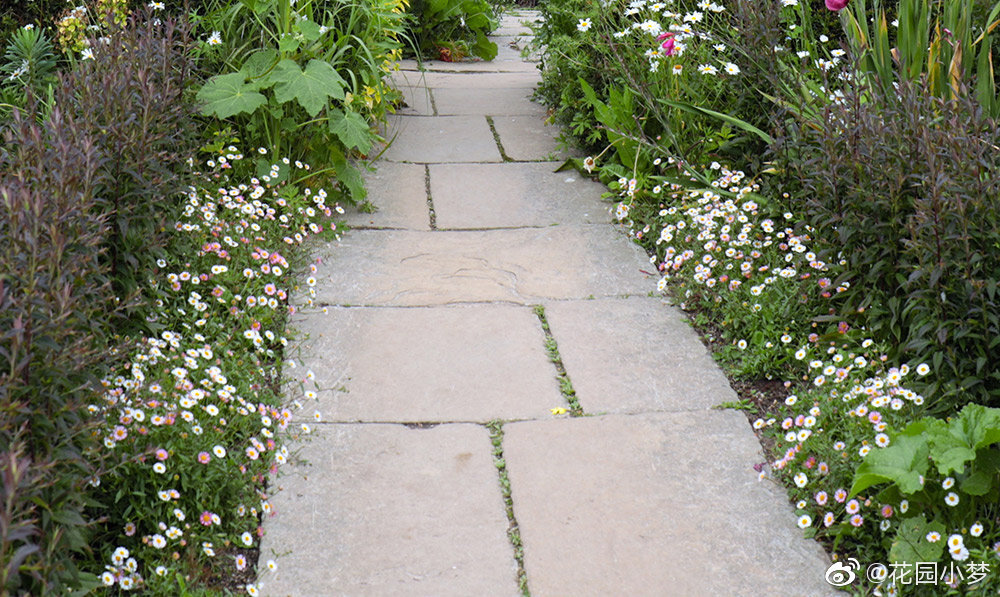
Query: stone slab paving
(418, 101)
(522, 266)
(662, 504)
(441, 139)
(388, 510)
(463, 363)
(398, 193)
(496, 101)
(434, 328)
(513, 24)
(530, 138)
(635, 355)
(434, 80)
(514, 195)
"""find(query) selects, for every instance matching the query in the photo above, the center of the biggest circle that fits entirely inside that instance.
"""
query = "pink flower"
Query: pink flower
(668, 45)
(836, 4)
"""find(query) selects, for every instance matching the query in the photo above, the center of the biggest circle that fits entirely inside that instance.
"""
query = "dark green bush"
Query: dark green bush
(451, 29)
(903, 188)
(56, 304)
(131, 98)
(84, 204)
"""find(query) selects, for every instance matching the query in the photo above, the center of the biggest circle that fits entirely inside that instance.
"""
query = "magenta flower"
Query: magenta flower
(668, 42)
(836, 4)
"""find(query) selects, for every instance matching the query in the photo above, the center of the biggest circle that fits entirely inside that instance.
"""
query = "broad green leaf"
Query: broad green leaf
(259, 63)
(978, 483)
(902, 463)
(955, 443)
(350, 178)
(309, 29)
(310, 87)
(228, 95)
(288, 44)
(911, 544)
(484, 48)
(352, 129)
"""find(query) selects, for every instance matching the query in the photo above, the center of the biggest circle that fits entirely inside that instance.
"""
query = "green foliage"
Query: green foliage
(142, 136)
(56, 312)
(920, 240)
(449, 29)
(28, 69)
(307, 80)
(937, 40)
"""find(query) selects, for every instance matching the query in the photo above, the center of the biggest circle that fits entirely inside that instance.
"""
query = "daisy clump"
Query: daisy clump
(195, 419)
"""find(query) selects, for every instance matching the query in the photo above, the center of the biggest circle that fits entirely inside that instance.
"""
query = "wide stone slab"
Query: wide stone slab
(435, 139)
(523, 266)
(515, 24)
(635, 355)
(485, 101)
(513, 195)
(465, 80)
(666, 504)
(417, 99)
(529, 138)
(387, 510)
(398, 193)
(461, 363)
(505, 63)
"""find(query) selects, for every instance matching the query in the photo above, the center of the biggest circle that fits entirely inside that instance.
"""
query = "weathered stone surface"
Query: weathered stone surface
(435, 80)
(665, 504)
(399, 194)
(512, 195)
(635, 355)
(529, 138)
(418, 101)
(515, 24)
(435, 139)
(506, 63)
(502, 101)
(373, 267)
(387, 510)
(460, 363)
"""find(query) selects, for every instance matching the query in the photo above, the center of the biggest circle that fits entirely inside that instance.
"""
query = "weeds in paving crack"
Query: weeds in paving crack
(496, 138)
(565, 385)
(495, 428)
(430, 200)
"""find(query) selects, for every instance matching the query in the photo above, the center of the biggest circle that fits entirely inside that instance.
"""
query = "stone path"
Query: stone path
(439, 468)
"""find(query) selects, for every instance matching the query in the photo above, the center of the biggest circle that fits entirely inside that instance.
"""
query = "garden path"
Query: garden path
(438, 315)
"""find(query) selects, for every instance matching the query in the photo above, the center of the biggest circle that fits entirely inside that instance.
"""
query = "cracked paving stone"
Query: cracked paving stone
(460, 363)
(523, 266)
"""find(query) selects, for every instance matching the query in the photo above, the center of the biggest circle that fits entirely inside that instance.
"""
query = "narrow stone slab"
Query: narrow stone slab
(441, 139)
(466, 80)
(418, 101)
(506, 63)
(512, 195)
(500, 101)
(386, 510)
(462, 363)
(529, 138)
(635, 355)
(512, 45)
(399, 194)
(666, 504)
(514, 24)
(524, 266)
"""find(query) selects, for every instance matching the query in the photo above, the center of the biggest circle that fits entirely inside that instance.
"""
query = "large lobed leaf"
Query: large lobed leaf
(228, 95)
(310, 87)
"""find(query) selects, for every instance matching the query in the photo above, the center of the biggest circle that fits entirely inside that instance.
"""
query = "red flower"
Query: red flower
(836, 4)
